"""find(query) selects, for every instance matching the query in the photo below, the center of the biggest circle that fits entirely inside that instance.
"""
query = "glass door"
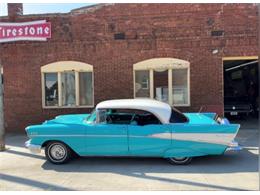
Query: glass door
(160, 81)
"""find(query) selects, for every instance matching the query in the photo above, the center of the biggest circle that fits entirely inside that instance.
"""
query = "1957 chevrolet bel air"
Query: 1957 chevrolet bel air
(133, 127)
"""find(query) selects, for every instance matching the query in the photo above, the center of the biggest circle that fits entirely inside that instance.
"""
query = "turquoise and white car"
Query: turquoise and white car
(133, 127)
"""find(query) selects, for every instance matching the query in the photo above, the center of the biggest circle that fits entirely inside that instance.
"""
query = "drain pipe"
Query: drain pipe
(2, 130)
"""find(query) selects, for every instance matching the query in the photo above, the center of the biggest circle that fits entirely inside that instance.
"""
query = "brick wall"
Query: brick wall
(181, 31)
(14, 10)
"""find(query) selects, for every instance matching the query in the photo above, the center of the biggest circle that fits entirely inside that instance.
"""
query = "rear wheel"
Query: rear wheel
(57, 152)
(179, 161)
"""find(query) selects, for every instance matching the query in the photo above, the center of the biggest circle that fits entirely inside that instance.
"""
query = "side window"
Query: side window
(178, 117)
(127, 117)
(142, 118)
(115, 116)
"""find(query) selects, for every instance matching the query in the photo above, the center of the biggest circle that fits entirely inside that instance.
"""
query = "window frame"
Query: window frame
(61, 67)
(170, 64)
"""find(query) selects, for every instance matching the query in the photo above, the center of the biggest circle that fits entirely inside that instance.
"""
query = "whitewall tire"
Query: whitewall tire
(179, 161)
(57, 152)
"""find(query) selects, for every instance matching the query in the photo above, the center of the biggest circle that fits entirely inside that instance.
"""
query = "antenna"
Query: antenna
(201, 108)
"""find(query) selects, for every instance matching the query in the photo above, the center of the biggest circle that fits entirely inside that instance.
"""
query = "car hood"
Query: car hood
(68, 119)
(199, 118)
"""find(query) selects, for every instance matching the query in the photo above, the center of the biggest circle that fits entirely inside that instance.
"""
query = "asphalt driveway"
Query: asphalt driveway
(21, 170)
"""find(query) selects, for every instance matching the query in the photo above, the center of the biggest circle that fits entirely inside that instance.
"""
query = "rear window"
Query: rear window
(178, 117)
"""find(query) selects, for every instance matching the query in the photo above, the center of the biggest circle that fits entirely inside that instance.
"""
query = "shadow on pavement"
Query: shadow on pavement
(33, 183)
(243, 161)
(24, 154)
(16, 140)
(142, 167)
(191, 183)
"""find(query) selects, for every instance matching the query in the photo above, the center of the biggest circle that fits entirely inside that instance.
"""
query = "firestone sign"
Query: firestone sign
(26, 31)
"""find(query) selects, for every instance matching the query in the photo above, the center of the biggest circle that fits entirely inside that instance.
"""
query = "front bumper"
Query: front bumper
(233, 146)
(32, 147)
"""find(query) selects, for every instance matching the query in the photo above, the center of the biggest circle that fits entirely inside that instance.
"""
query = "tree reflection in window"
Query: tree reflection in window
(68, 88)
(51, 89)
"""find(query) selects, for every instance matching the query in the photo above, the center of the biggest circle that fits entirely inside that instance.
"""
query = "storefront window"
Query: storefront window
(142, 80)
(163, 79)
(67, 84)
(180, 86)
(51, 89)
(85, 88)
(68, 89)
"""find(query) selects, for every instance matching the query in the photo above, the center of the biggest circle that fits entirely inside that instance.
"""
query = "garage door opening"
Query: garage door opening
(241, 89)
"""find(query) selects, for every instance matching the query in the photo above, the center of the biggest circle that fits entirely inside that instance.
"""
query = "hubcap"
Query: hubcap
(58, 152)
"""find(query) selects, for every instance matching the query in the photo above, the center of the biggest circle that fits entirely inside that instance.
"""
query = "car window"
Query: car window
(127, 116)
(178, 117)
(92, 117)
(141, 118)
(112, 116)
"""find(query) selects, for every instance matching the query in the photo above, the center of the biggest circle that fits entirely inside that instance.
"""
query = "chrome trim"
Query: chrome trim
(57, 151)
(233, 146)
(32, 147)
(211, 138)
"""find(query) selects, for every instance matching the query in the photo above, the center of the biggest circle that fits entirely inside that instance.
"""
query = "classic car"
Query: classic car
(237, 106)
(133, 127)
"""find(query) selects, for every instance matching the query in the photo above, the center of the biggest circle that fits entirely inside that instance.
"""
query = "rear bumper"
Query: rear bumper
(32, 147)
(233, 146)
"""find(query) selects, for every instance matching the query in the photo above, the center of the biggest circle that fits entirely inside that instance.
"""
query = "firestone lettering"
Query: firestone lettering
(10, 31)
(37, 30)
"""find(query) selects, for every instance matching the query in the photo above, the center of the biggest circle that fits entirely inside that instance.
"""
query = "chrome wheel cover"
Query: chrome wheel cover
(57, 152)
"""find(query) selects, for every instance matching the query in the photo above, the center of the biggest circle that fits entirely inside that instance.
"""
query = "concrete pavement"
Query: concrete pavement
(21, 170)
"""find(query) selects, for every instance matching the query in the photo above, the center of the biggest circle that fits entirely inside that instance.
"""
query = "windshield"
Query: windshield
(92, 117)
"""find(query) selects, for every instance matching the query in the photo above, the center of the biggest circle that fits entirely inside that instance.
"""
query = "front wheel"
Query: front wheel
(179, 161)
(57, 153)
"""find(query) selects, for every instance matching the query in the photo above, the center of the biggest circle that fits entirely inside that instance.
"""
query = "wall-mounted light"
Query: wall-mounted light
(214, 51)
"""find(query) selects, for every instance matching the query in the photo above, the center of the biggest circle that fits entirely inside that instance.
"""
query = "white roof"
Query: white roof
(159, 109)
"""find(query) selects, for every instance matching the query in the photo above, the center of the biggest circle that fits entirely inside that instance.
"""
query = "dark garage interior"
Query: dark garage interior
(241, 92)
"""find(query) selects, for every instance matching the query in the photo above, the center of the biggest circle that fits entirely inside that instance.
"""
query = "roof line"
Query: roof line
(90, 8)
(86, 7)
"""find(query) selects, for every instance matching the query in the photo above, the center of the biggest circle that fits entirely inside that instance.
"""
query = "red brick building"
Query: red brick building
(171, 52)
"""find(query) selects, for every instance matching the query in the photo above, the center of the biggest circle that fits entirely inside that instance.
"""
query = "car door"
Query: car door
(148, 137)
(105, 139)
